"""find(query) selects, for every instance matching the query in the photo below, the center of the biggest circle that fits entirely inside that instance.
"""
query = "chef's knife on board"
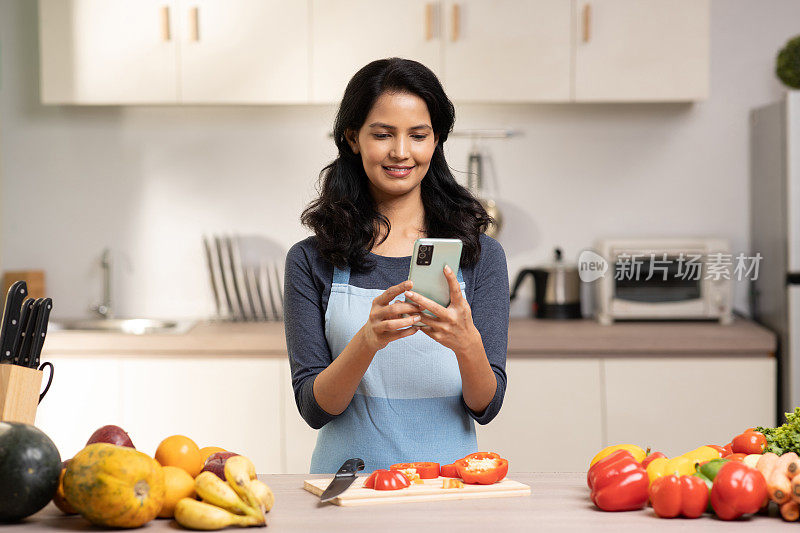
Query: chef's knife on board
(342, 480)
(10, 325)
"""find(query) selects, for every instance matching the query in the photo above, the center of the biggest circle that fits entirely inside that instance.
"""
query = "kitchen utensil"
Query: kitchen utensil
(255, 289)
(342, 480)
(225, 274)
(24, 315)
(279, 266)
(34, 280)
(40, 331)
(556, 289)
(234, 283)
(248, 303)
(9, 328)
(475, 185)
(428, 490)
(213, 275)
(24, 354)
(266, 279)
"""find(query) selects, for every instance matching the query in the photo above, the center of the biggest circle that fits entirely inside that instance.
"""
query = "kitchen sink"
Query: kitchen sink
(135, 326)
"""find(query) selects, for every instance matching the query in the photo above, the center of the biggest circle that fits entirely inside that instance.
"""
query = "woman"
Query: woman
(378, 384)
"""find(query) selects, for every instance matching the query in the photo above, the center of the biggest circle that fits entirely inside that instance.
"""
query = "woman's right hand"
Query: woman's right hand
(385, 320)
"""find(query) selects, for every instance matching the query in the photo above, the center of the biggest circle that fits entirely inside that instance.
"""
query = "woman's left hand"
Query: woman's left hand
(452, 326)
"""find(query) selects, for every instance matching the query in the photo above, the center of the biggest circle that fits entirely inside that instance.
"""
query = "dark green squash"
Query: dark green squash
(30, 466)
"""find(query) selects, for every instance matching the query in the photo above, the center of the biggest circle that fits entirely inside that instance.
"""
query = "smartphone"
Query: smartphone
(427, 264)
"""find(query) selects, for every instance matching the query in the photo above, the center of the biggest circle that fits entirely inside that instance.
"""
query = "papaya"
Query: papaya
(59, 499)
(114, 486)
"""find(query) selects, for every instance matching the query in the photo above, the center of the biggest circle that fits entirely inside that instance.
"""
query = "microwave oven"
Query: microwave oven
(664, 279)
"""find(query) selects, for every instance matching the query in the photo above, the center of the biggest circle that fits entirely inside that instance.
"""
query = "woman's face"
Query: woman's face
(396, 144)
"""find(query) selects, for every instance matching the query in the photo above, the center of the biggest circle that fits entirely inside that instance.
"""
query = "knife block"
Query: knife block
(19, 393)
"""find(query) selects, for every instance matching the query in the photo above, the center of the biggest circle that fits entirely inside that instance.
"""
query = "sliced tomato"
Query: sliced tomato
(425, 470)
(383, 479)
(482, 468)
(448, 471)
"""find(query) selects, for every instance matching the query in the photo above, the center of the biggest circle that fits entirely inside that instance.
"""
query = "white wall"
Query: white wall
(148, 181)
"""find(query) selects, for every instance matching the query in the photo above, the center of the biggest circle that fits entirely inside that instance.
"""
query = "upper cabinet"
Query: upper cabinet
(305, 51)
(107, 51)
(507, 50)
(641, 50)
(348, 34)
(174, 51)
(243, 51)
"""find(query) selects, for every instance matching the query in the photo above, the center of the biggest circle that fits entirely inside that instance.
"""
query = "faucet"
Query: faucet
(103, 309)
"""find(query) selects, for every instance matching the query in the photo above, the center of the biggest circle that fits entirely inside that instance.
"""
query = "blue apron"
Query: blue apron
(408, 405)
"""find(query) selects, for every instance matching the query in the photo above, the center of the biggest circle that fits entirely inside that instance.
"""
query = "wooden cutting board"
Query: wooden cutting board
(430, 490)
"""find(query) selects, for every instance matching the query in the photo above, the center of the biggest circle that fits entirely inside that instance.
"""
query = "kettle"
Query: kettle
(556, 289)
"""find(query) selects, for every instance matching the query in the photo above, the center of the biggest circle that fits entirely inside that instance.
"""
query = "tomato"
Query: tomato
(736, 457)
(749, 442)
(383, 479)
(482, 468)
(448, 471)
(721, 449)
(425, 470)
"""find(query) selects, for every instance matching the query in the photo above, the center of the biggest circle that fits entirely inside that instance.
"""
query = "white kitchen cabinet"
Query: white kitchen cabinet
(85, 395)
(227, 401)
(552, 415)
(244, 51)
(299, 439)
(675, 405)
(108, 51)
(641, 50)
(348, 34)
(507, 50)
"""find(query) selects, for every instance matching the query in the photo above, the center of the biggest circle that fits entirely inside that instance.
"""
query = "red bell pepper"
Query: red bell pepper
(618, 482)
(735, 457)
(749, 442)
(672, 496)
(482, 468)
(448, 471)
(425, 470)
(383, 479)
(737, 490)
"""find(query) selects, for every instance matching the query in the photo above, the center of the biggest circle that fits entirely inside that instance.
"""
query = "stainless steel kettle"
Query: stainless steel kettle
(557, 289)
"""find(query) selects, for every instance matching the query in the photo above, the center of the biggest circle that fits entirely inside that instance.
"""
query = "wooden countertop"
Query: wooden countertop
(558, 501)
(526, 338)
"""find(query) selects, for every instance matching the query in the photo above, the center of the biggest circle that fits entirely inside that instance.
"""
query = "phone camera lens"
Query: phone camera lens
(422, 255)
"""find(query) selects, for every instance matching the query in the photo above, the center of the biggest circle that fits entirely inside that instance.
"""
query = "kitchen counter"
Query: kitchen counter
(526, 338)
(557, 501)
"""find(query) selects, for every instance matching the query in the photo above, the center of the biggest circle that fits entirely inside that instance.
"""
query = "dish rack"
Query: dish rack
(246, 277)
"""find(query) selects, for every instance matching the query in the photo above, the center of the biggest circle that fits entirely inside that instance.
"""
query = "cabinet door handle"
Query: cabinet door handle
(587, 23)
(456, 22)
(165, 30)
(194, 18)
(429, 7)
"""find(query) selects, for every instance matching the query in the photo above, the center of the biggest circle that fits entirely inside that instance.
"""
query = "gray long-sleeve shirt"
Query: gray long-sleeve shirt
(307, 287)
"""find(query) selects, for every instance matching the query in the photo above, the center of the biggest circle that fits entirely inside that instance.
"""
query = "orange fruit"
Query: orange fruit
(182, 452)
(177, 484)
(208, 450)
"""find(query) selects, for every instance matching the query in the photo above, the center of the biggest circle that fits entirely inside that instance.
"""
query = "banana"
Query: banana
(239, 471)
(263, 493)
(193, 514)
(216, 492)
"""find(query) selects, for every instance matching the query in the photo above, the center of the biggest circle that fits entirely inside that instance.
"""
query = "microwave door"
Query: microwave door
(659, 284)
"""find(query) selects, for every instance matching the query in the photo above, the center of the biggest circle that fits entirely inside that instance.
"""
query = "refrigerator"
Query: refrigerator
(775, 234)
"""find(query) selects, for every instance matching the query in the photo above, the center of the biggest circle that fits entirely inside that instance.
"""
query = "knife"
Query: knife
(342, 480)
(40, 331)
(24, 314)
(23, 356)
(10, 325)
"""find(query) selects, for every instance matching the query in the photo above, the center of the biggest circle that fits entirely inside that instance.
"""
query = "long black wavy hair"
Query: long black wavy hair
(345, 218)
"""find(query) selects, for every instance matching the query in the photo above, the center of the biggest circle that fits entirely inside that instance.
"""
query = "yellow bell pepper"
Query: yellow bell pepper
(638, 453)
(680, 466)
(702, 454)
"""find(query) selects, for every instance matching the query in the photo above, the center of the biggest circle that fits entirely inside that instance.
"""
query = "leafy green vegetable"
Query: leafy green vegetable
(787, 64)
(785, 438)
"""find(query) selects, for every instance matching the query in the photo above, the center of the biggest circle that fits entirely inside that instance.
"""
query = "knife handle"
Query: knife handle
(350, 467)
(39, 332)
(10, 321)
(24, 317)
(24, 355)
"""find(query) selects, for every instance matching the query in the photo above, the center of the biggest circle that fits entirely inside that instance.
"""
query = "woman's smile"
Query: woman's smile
(398, 171)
